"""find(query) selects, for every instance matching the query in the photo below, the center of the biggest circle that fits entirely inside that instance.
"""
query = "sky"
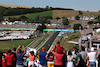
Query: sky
(83, 5)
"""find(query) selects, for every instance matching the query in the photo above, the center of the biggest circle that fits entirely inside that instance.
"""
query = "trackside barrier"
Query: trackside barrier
(45, 42)
(41, 41)
(52, 45)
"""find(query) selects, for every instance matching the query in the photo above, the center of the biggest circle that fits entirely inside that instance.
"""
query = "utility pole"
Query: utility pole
(79, 44)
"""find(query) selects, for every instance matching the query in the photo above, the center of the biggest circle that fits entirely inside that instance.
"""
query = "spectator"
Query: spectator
(9, 58)
(14, 53)
(98, 60)
(69, 60)
(1, 58)
(42, 57)
(50, 58)
(73, 52)
(92, 58)
(19, 55)
(31, 59)
(58, 58)
(59, 47)
(3, 61)
(37, 62)
(83, 54)
(78, 62)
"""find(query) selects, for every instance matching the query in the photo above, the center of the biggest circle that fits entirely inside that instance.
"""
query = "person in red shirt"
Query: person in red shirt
(50, 59)
(58, 58)
(59, 47)
(3, 61)
(10, 58)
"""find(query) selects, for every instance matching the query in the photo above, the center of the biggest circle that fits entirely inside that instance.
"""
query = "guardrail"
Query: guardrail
(41, 41)
(30, 43)
(52, 45)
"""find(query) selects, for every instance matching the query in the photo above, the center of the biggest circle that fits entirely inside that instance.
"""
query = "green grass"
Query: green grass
(32, 15)
(17, 16)
(72, 37)
(5, 45)
(46, 13)
(64, 42)
(44, 40)
(54, 15)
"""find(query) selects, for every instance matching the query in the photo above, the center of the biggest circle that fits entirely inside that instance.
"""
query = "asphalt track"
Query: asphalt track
(49, 42)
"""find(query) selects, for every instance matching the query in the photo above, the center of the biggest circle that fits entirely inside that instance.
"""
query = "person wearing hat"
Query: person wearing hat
(92, 58)
(42, 58)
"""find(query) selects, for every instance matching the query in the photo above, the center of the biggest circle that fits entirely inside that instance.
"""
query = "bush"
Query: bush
(77, 26)
(90, 22)
(57, 18)
(41, 27)
(65, 21)
(80, 13)
(77, 17)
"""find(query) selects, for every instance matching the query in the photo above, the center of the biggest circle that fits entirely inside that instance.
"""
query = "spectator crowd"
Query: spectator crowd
(57, 57)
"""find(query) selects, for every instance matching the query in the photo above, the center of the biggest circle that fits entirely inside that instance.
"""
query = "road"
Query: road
(49, 42)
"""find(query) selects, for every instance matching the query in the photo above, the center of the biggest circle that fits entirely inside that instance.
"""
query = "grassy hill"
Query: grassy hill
(17, 16)
(33, 15)
(46, 13)
(70, 13)
(14, 6)
(56, 13)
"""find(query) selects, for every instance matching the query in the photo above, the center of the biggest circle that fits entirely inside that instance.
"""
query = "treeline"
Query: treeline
(7, 11)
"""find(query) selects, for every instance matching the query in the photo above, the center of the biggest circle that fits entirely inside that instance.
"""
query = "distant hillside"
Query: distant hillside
(70, 13)
(14, 6)
(46, 13)
(56, 13)
(64, 13)
(32, 15)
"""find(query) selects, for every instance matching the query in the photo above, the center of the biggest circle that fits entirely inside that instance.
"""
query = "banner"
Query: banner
(28, 49)
(1, 28)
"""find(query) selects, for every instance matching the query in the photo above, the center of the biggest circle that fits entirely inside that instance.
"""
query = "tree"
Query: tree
(42, 19)
(1, 18)
(77, 17)
(80, 13)
(77, 26)
(65, 21)
(47, 8)
(90, 22)
(51, 8)
(36, 19)
(30, 20)
(98, 18)
(96, 22)
(57, 18)
(63, 17)
(41, 27)
(11, 19)
(23, 18)
(49, 17)
(88, 11)
(48, 21)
